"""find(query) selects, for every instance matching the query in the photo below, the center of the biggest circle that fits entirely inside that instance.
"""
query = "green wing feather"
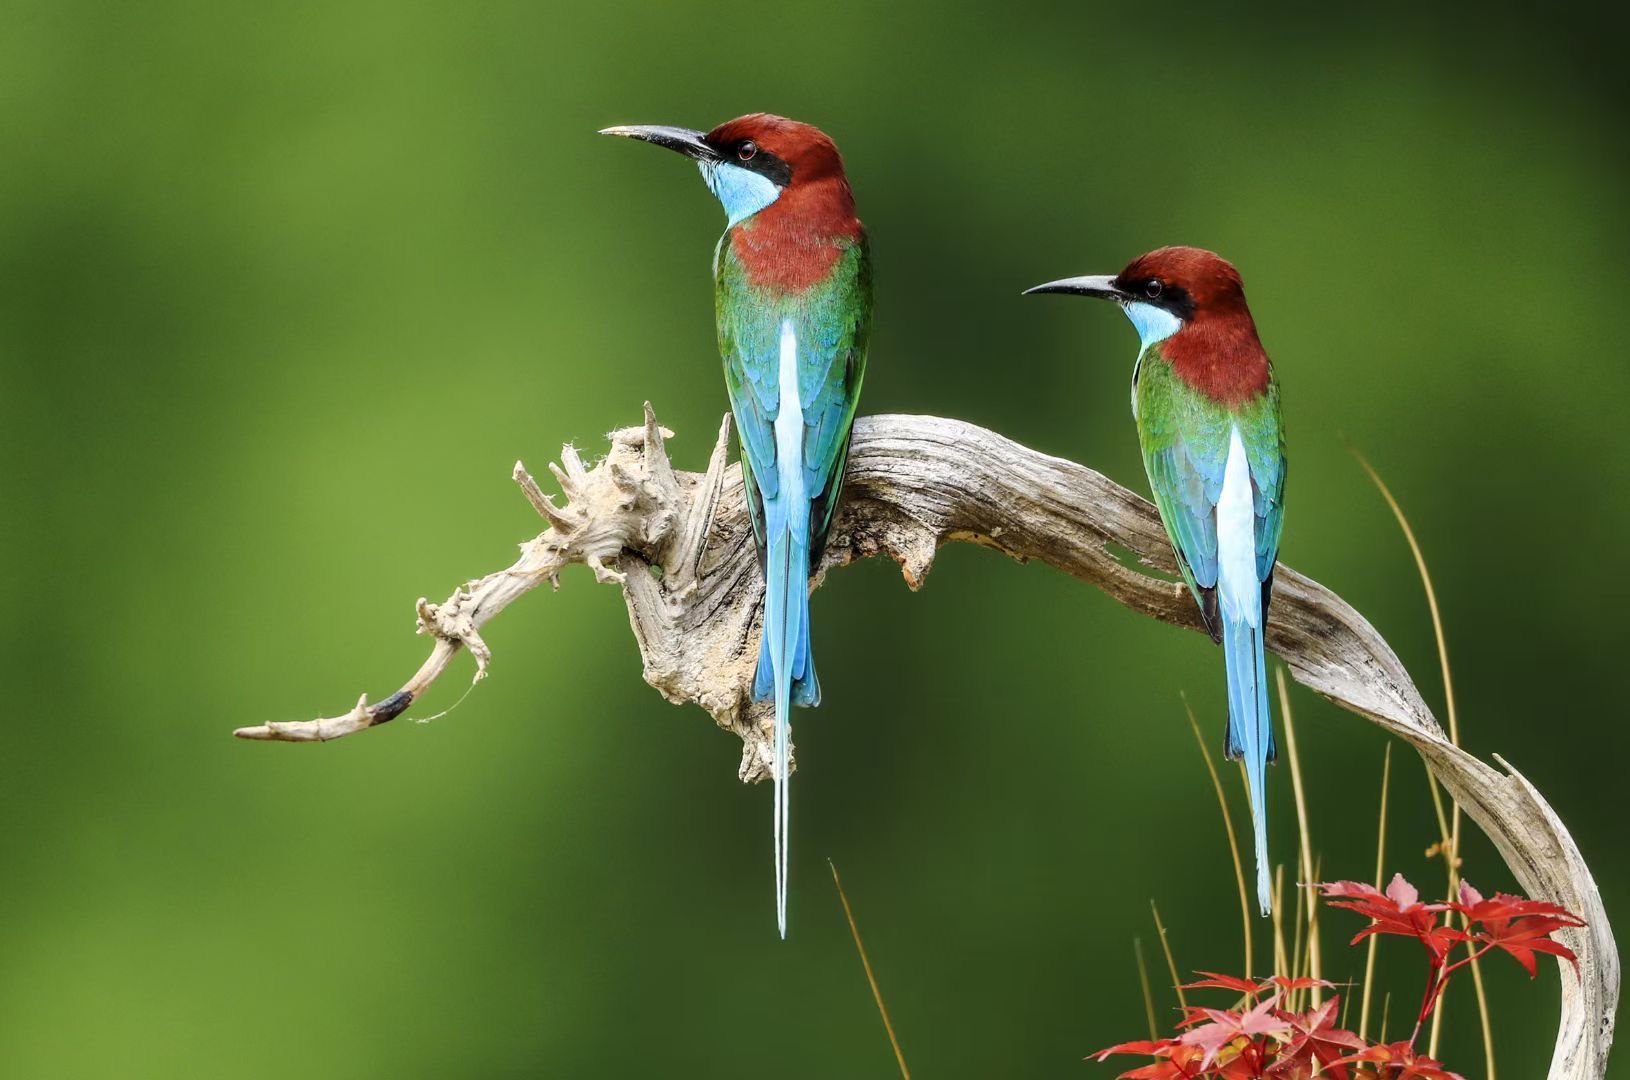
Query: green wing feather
(833, 340)
(1185, 440)
(1264, 438)
(832, 321)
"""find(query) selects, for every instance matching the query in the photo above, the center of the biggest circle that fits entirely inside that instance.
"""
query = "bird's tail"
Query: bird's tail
(786, 670)
(1250, 728)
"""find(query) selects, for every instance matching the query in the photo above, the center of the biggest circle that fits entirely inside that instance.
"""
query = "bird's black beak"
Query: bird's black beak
(1103, 287)
(683, 140)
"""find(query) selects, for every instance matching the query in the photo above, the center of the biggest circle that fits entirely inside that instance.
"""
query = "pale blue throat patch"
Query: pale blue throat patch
(743, 192)
(1153, 324)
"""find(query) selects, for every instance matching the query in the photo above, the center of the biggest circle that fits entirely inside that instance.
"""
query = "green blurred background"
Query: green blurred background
(287, 289)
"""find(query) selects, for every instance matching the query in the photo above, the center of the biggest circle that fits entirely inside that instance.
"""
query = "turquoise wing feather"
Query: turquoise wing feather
(1265, 449)
(831, 323)
(832, 367)
(1185, 441)
(1185, 462)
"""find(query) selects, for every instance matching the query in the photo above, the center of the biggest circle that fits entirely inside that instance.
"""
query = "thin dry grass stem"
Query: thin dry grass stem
(1228, 824)
(1386, 1008)
(1315, 966)
(1451, 857)
(1486, 1019)
(1148, 994)
(1280, 960)
(1441, 848)
(1380, 868)
(1308, 876)
(1446, 834)
(1431, 595)
(1437, 1022)
(1171, 962)
(1298, 934)
(877, 994)
(1451, 850)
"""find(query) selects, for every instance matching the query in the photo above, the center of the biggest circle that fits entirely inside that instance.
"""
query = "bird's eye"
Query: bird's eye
(1152, 288)
(747, 149)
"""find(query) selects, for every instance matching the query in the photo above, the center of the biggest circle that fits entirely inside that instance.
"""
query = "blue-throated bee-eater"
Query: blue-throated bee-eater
(793, 298)
(1207, 410)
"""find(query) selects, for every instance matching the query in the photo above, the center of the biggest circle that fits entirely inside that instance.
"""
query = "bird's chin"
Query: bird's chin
(741, 192)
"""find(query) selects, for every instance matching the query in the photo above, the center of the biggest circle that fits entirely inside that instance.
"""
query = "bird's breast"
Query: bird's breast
(784, 262)
(1221, 357)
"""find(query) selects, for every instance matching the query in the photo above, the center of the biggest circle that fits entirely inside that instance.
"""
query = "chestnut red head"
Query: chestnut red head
(1193, 301)
(749, 162)
(786, 150)
(1183, 282)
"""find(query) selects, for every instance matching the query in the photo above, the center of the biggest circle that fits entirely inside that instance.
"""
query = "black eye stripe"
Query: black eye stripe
(767, 165)
(1166, 295)
(750, 155)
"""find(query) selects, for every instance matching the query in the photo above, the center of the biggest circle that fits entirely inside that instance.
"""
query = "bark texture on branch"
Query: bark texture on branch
(679, 545)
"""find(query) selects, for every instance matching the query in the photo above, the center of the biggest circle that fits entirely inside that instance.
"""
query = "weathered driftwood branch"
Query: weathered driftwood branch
(678, 544)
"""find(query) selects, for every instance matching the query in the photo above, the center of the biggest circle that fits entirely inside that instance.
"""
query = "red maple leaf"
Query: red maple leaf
(1315, 1044)
(1138, 1046)
(1397, 911)
(1213, 1030)
(1518, 926)
(1214, 981)
(1178, 1062)
(1239, 1068)
(1283, 983)
(1402, 1057)
(1160, 1070)
(1287, 984)
(1266, 1041)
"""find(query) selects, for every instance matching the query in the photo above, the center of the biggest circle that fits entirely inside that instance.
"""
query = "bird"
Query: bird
(1206, 403)
(793, 301)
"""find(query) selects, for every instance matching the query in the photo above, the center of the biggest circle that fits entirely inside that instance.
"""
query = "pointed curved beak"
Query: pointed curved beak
(681, 140)
(1101, 286)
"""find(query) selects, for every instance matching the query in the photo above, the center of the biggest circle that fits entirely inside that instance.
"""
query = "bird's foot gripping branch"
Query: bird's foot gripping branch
(679, 544)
